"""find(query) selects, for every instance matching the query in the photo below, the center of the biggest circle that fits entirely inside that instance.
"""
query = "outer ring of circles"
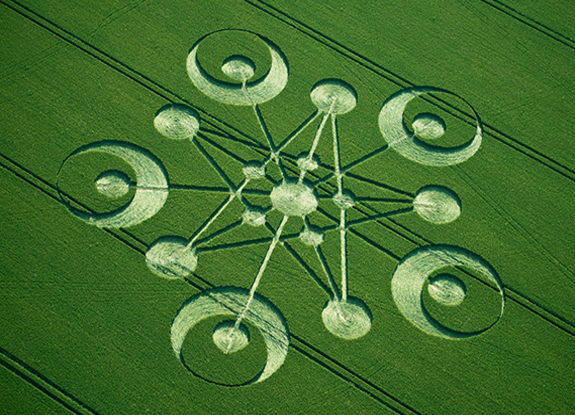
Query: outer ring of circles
(174, 257)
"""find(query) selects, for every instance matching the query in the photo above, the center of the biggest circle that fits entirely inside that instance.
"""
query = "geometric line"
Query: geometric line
(43, 384)
(297, 343)
(403, 83)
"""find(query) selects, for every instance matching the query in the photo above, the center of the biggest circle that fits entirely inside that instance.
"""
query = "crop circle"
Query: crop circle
(334, 95)
(349, 319)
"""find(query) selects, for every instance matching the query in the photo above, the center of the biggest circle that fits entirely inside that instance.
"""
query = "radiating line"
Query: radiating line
(261, 270)
(215, 165)
(327, 272)
(364, 158)
(337, 171)
(380, 185)
(222, 149)
(224, 247)
(331, 175)
(343, 244)
(212, 219)
(308, 269)
(297, 131)
(380, 216)
(221, 232)
(383, 200)
(264, 129)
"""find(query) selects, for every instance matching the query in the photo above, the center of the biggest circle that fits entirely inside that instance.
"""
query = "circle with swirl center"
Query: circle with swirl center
(414, 270)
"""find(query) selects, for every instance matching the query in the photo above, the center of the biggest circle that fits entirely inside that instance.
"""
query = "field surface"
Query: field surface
(376, 196)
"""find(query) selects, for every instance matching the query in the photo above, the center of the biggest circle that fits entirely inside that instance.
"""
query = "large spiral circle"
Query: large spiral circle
(415, 268)
(152, 185)
(408, 145)
(232, 301)
(251, 93)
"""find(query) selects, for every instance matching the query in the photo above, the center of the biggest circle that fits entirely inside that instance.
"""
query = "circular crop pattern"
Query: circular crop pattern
(273, 187)
(113, 183)
(348, 319)
(446, 289)
(412, 272)
(293, 198)
(437, 204)
(334, 96)
(177, 121)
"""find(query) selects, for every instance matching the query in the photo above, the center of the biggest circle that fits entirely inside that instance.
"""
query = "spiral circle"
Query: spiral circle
(415, 268)
(240, 68)
(396, 134)
(232, 301)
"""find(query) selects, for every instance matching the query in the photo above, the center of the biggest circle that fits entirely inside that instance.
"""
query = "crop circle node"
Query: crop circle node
(254, 217)
(307, 163)
(254, 170)
(293, 198)
(334, 95)
(344, 200)
(437, 204)
(177, 122)
(230, 339)
(349, 319)
(428, 126)
(113, 183)
(447, 289)
(311, 237)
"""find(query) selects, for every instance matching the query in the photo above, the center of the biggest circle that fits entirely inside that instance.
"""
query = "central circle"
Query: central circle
(231, 339)
(428, 126)
(113, 183)
(239, 68)
(447, 289)
(294, 198)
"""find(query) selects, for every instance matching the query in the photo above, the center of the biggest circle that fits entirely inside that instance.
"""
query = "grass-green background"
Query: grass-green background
(80, 308)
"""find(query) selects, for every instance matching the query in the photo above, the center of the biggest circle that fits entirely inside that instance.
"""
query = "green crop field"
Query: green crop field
(287, 207)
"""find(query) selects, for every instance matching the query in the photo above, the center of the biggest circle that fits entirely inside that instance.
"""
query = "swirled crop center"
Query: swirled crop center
(294, 198)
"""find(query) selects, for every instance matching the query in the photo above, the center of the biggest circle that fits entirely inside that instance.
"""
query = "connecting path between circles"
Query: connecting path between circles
(296, 197)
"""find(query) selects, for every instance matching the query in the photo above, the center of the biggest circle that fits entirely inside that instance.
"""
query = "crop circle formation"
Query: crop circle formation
(295, 197)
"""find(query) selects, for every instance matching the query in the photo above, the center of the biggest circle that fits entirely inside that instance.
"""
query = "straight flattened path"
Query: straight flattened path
(69, 81)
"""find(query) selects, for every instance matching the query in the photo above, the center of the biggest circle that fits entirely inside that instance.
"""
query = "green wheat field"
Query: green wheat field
(85, 323)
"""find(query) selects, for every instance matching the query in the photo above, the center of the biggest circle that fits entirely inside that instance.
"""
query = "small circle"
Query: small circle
(171, 258)
(293, 198)
(307, 163)
(113, 183)
(311, 237)
(231, 339)
(428, 126)
(177, 121)
(437, 204)
(254, 217)
(349, 319)
(334, 95)
(344, 200)
(447, 289)
(254, 170)
(239, 68)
